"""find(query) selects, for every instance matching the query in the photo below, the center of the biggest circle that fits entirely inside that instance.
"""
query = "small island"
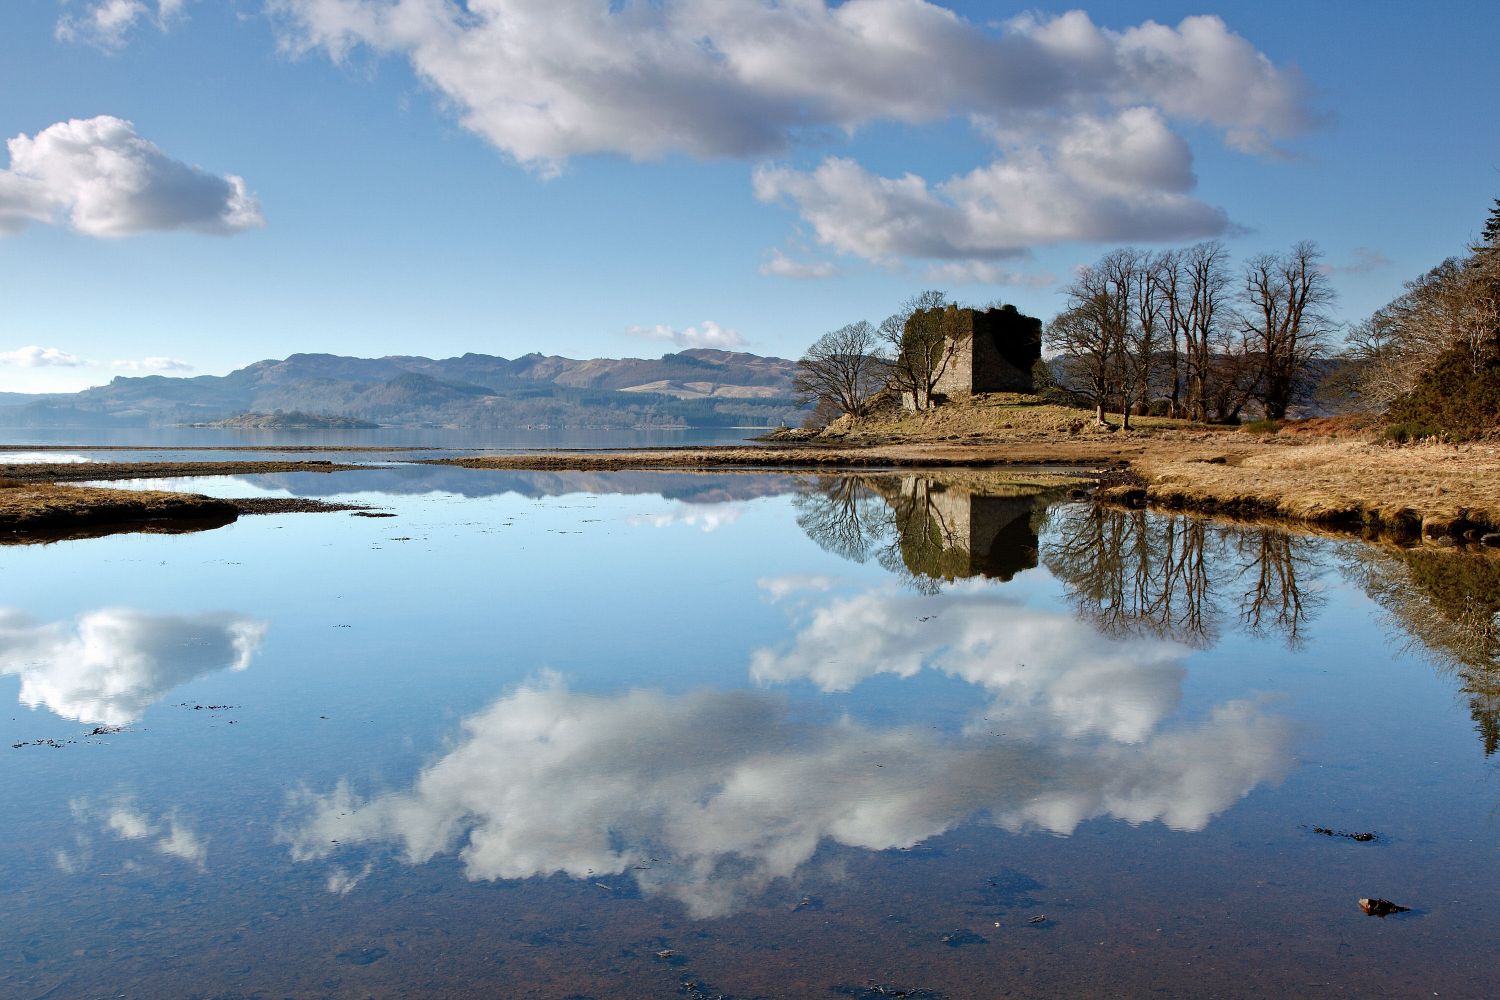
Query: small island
(293, 421)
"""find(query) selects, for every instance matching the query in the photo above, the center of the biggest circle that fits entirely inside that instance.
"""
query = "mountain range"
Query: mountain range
(692, 388)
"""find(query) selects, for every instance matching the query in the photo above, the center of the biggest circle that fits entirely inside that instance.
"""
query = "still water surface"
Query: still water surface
(567, 735)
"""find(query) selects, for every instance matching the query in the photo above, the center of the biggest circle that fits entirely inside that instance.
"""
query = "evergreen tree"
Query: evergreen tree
(1491, 232)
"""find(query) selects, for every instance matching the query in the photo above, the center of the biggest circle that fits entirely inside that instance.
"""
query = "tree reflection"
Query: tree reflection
(927, 530)
(1134, 572)
(1449, 602)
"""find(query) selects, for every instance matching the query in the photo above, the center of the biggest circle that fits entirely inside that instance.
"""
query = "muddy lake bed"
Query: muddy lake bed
(776, 735)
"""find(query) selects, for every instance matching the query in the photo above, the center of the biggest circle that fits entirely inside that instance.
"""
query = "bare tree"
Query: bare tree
(1085, 357)
(1204, 285)
(844, 368)
(922, 337)
(1091, 336)
(1144, 334)
(1284, 299)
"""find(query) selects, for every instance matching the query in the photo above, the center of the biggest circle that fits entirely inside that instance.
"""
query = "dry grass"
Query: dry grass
(989, 417)
(73, 472)
(1343, 482)
(29, 508)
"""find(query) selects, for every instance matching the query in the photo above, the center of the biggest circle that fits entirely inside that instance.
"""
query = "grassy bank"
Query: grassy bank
(1439, 490)
(1332, 473)
(77, 472)
(44, 512)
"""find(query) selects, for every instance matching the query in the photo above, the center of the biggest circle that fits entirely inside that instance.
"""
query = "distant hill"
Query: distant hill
(290, 421)
(695, 388)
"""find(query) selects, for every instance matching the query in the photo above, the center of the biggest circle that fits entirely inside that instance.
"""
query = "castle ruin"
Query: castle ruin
(989, 351)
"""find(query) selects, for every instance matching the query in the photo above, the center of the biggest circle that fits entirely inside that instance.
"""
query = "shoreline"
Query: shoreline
(1438, 493)
(1443, 494)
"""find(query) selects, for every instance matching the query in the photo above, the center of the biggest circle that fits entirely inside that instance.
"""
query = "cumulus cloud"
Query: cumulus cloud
(40, 357)
(108, 666)
(107, 23)
(706, 334)
(107, 181)
(781, 266)
(1080, 113)
(152, 364)
(709, 797)
(544, 81)
(1089, 179)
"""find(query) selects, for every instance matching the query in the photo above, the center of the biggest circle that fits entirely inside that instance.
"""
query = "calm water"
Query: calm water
(169, 438)
(551, 735)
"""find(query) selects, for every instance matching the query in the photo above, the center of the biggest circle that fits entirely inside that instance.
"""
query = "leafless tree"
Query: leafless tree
(844, 367)
(1085, 357)
(1285, 298)
(1204, 288)
(1091, 336)
(922, 338)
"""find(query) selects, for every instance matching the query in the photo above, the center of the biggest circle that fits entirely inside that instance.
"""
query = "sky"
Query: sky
(189, 186)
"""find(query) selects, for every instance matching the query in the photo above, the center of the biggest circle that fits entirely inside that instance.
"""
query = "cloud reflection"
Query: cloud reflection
(108, 666)
(709, 797)
(705, 517)
(1048, 672)
(167, 834)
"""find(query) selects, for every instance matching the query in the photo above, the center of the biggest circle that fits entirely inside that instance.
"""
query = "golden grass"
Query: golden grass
(1342, 482)
(59, 472)
(44, 507)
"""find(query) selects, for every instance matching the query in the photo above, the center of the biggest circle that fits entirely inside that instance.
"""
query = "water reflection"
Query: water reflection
(1047, 673)
(925, 529)
(1130, 571)
(415, 479)
(710, 797)
(125, 821)
(108, 666)
(1449, 602)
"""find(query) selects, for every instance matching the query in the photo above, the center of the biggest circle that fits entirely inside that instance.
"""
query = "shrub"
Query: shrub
(1458, 396)
(1261, 427)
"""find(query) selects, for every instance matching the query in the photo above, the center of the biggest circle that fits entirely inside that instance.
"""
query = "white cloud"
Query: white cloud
(980, 272)
(1081, 113)
(544, 80)
(40, 357)
(152, 364)
(107, 181)
(781, 266)
(706, 334)
(709, 797)
(109, 666)
(107, 23)
(1121, 178)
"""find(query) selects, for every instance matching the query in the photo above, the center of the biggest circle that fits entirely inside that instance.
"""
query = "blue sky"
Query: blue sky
(560, 178)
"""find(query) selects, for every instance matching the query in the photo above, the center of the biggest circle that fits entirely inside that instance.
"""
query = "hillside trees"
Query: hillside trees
(1430, 358)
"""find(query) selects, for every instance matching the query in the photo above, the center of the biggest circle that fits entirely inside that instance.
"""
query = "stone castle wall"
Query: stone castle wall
(996, 351)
